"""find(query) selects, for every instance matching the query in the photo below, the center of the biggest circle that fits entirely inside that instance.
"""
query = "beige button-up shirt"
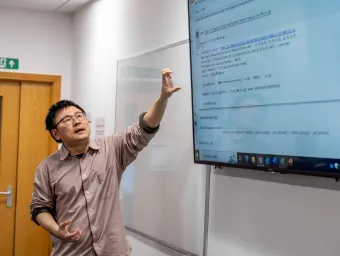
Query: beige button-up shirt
(86, 191)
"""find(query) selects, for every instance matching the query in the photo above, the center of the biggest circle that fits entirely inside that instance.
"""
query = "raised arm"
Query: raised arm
(130, 143)
(154, 116)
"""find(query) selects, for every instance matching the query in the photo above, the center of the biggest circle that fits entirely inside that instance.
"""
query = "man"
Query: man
(76, 189)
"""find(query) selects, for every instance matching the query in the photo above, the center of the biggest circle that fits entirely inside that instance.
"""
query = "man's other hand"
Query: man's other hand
(64, 234)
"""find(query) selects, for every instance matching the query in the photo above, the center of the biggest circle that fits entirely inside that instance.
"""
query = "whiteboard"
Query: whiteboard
(162, 191)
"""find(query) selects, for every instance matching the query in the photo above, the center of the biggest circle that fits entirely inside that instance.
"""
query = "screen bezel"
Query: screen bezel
(308, 172)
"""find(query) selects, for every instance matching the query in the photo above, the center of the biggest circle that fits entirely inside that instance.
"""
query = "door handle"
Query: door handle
(8, 193)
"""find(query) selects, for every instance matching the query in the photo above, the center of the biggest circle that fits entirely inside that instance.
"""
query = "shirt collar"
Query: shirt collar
(64, 153)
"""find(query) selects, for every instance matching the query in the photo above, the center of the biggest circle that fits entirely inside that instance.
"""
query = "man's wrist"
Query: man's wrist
(55, 229)
(162, 99)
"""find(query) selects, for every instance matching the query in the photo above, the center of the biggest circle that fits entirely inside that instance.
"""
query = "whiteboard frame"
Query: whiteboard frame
(208, 169)
(153, 51)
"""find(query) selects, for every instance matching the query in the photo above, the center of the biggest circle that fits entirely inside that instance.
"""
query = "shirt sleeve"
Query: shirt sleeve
(128, 144)
(42, 197)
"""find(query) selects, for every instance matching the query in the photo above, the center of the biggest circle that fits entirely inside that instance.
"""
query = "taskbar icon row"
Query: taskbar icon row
(269, 161)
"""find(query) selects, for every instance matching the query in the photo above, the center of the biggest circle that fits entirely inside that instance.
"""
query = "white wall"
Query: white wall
(149, 24)
(256, 213)
(252, 213)
(94, 59)
(102, 35)
(41, 41)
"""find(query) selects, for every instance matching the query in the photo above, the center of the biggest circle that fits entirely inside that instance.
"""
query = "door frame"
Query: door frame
(53, 80)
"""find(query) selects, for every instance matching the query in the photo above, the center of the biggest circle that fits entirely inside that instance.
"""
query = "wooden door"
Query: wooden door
(30, 239)
(9, 137)
(24, 144)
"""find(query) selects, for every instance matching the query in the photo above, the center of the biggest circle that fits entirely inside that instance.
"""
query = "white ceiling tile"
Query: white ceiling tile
(72, 5)
(43, 5)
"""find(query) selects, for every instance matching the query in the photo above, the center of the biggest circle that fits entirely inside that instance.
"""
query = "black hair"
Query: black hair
(52, 112)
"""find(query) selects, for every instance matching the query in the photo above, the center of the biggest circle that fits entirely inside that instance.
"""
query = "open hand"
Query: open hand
(167, 84)
(64, 234)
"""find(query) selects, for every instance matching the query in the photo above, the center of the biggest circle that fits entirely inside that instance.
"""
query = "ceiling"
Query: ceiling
(44, 5)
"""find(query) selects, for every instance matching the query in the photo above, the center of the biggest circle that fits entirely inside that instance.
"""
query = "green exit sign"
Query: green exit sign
(9, 63)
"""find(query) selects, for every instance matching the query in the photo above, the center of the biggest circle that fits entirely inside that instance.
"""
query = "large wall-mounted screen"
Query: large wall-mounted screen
(266, 84)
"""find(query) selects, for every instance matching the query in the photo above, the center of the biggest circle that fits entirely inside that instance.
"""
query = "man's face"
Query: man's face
(72, 126)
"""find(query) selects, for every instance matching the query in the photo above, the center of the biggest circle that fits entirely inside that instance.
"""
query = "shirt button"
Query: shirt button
(87, 192)
(92, 228)
(90, 210)
(84, 176)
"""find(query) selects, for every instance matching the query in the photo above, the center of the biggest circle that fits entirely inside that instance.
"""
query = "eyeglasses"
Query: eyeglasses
(68, 120)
